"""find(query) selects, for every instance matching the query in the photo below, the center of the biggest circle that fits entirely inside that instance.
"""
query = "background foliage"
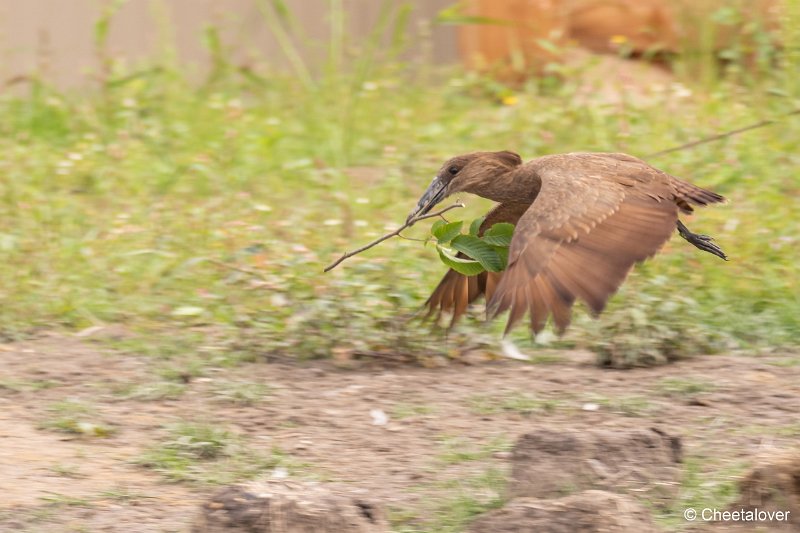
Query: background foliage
(177, 210)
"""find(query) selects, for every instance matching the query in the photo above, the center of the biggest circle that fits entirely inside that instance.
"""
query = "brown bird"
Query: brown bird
(582, 221)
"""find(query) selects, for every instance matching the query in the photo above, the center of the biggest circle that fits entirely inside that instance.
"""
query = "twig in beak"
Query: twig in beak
(410, 222)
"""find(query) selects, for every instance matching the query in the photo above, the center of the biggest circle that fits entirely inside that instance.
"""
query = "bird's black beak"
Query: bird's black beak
(432, 196)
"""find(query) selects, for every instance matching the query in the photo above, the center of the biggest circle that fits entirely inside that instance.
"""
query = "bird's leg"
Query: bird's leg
(704, 242)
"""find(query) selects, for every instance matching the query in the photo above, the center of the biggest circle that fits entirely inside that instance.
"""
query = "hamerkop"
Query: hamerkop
(582, 221)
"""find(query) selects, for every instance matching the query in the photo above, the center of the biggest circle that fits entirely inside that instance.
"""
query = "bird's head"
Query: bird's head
(465, 173)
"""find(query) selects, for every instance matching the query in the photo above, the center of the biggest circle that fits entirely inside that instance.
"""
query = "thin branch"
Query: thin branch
(723, 135)
(391, 234)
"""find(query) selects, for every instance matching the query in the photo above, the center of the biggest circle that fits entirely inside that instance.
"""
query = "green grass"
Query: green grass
(77, 418)
(705, 484)
(402, 411)
(627, 405)
(240, 392)
(66, 470)
(123, 494)
(516, 402)
(151, 390)
(684, 387)
(457, 450)
(172, 208)
(207, 454)
(786, 362)
(16, 385)
(791, 430)
(456, 504)
(65, 500)
(135, 206)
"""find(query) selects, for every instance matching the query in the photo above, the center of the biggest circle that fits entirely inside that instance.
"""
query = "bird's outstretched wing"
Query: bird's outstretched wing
(456, 291)
(595, 216)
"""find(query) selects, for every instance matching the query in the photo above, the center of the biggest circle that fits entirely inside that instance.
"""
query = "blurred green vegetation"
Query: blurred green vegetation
(207, 211)
(207, 454)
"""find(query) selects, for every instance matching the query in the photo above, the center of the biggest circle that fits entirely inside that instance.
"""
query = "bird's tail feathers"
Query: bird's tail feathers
(693, 194)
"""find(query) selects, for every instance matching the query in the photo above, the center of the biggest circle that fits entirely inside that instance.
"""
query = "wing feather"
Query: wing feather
(461, 296)
(580, 238)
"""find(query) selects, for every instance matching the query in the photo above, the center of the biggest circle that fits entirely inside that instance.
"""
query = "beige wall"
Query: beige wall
(56, 36)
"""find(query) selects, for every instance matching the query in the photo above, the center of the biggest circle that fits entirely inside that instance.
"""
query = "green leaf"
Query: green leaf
(446, 232)
(499, 234)
(502, 251)
(468, 267)
(475, 227)
(480, 251)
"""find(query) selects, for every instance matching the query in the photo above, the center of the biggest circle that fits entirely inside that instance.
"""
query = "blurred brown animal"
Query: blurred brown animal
(582, 221)
(527, 35)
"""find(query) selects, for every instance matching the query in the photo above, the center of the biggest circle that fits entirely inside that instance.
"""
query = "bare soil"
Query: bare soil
(442, 424)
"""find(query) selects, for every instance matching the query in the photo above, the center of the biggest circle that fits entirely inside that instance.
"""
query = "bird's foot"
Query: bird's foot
(703, 242)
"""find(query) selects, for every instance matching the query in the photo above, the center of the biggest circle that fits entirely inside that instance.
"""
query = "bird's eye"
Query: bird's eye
(453, 170)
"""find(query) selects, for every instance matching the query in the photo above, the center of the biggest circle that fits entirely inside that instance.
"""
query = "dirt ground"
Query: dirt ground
(400, 432)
